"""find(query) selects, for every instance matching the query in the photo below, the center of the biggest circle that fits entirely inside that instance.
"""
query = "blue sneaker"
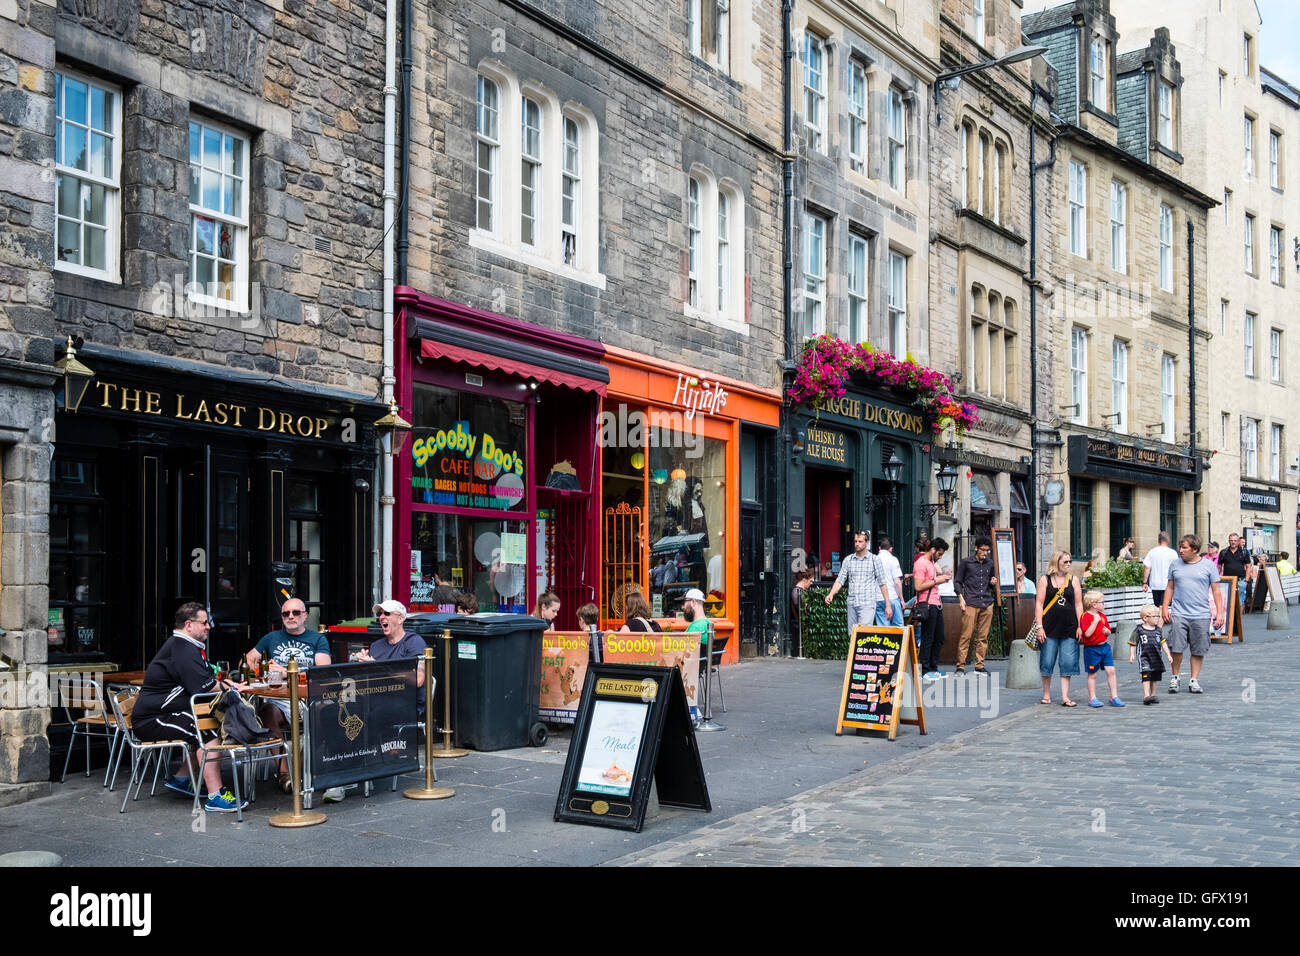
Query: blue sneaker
(1116, 702)
(182, 785)
(223, 802)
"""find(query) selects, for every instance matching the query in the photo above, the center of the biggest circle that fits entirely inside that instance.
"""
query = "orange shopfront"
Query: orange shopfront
(683, 461)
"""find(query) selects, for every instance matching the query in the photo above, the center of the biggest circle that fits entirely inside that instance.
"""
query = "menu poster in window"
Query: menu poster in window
(632, 730)
(1004, 559)
(879, 661)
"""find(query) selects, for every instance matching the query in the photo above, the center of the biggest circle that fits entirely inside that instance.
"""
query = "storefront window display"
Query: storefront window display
(686, 504)
(468, 451)
(487, 557)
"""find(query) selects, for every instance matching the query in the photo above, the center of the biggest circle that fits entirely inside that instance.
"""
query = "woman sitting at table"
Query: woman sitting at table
(638, 620)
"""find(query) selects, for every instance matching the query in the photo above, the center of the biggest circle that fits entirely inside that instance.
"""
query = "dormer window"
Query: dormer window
(1165, 115)
(1097, 71)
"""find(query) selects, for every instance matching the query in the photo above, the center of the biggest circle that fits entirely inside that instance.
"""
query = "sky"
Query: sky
(1279, 38)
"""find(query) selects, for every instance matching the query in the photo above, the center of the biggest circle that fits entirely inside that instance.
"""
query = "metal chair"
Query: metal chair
(242, 756)
(143, 752)
(719, 646)
(87, 695)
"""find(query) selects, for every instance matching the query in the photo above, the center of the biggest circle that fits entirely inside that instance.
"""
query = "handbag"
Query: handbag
(920, 612)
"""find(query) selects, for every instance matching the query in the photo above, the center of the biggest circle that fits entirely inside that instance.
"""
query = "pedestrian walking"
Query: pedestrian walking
(866, 581)
(974, 584)
(927, 613)
(1145, 646)
(1057, 610)
(894, 581)
(1234, 562)
(1186, 607)
(1158, 562)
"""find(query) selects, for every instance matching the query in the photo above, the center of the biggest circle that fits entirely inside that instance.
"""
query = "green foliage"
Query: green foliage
(1116, 574)
(824, 630)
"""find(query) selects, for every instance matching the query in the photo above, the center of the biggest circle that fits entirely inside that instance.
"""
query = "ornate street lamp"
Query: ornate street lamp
(393, 431)
(76, 377)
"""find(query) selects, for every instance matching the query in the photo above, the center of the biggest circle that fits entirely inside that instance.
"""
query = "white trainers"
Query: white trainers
(1173, 684)
(1194, 687)
(333, 795)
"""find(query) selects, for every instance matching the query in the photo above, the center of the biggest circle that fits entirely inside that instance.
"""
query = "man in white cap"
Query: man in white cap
(693, 611)
(397, 644)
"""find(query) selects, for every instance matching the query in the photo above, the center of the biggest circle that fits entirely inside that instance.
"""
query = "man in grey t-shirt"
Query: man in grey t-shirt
(1187, 607)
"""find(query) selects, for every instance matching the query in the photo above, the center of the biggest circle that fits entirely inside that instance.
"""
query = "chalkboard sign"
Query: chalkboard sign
(632, 725)
(361, 720)
(879, 662)
(1004, 560)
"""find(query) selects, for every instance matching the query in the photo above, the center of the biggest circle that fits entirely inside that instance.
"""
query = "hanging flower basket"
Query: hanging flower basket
(827, 363)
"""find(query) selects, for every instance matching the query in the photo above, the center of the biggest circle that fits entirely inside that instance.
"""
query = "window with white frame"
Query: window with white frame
(859, 321)
(814, 91)
(1250, 244)
(857, 117)
(1275, 159)
(981, 183)
(1248, 135)
(814, 273)
(710, 31)
(1275, 447)
(530, 172)
(87, 147)
(1165, 115)
(1245, 54)
(997, 379)
(725, 285)
(536, 177)
(1166, 248)
(1275, 254)
(570, 191)
(1098, 63)
(694, 239)
(999, 153)
(218, 215)
(1118, 226)
(1078, 209)
(897, 141)
(978, 340)
(1167, 381)
(897, 331)
(1222, 78)
(967, 144)
(1224, 420)
(488, 131)
(979, 22)
(1010, 350)
(1275, 355)
(1248, 336)
(1079, 375)
(1249, 447)
(1119, 385)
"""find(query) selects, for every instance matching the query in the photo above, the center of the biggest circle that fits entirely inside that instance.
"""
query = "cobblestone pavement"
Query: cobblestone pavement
(1198, 780)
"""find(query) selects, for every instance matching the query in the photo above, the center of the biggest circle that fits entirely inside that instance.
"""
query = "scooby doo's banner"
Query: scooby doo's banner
(564, 665)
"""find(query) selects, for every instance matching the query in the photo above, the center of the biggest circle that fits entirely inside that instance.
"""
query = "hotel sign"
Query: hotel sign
(1260, 499)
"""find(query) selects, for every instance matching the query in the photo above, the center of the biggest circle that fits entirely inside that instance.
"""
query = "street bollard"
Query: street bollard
(428, 791)
(446, 750)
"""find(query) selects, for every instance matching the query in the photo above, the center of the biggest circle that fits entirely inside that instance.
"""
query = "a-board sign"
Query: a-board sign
(1004, 559)
(1256, 593)
(361, 720)
(565, 655)
(632, 730)
(1274, 578)
(880, 659)
(1231, 610)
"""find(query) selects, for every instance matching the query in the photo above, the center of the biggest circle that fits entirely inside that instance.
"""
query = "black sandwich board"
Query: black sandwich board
(633, 725)
(362, 721)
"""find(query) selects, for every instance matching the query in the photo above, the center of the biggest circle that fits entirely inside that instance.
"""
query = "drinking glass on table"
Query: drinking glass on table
(223, 669)
(275, 675)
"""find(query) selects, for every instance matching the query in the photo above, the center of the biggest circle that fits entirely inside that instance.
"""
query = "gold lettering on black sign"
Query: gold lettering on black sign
(824, 444)
(896, 418)
(142, 401)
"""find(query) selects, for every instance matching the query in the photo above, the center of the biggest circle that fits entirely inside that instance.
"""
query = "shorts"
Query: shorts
(1064, 648)
(178, 725)
(1153, 676)
(1189, 632)
(1097, 656)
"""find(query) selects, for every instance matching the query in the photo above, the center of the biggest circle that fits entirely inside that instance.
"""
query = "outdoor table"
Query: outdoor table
(124, 678)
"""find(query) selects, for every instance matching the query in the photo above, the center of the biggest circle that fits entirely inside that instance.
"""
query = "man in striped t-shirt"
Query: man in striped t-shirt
(866, 580)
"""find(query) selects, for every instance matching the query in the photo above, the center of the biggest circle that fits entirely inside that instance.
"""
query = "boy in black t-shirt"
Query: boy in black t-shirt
(1145, 646)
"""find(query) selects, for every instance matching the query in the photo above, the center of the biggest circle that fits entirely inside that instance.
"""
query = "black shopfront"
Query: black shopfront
(844, 453)
(177, 482)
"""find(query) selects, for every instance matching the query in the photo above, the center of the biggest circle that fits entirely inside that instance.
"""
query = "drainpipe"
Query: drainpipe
(404, 146)
(784, 444)
(1033, 320)
(1191, 367)
(384, 586)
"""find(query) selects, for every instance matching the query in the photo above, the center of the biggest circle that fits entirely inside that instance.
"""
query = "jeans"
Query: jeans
(1066, 649)
(932, 638)
(860, 615)
(895, 618)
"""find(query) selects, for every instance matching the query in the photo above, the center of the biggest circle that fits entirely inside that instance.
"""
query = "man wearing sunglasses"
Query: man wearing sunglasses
(292, 641)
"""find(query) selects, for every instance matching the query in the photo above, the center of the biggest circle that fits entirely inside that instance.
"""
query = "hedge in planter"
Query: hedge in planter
(1116, 574)
(823, 629)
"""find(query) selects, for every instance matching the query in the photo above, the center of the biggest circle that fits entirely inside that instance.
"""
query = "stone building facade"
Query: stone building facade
(1129, 321)
(979, 269)
(195, 199)
(598, 185)
(1239, 125)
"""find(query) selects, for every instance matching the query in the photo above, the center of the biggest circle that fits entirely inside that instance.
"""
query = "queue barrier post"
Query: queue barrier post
(298, 818)
(706, 723)
(428, 791)
(446, 750)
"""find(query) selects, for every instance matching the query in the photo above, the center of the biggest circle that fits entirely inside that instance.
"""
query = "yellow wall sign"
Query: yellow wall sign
(824, 444)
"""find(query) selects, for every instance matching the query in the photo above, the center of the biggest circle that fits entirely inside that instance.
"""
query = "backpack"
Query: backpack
(239, 721)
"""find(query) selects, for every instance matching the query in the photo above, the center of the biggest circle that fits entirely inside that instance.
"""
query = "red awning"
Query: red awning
(430, 348)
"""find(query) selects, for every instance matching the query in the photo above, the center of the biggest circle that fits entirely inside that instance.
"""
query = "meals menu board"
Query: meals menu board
(880, 660)
(633, 730)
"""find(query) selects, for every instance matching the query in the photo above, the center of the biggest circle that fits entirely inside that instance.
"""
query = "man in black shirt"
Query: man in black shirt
(178, 671)
(1233, 562)
(974, 584)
